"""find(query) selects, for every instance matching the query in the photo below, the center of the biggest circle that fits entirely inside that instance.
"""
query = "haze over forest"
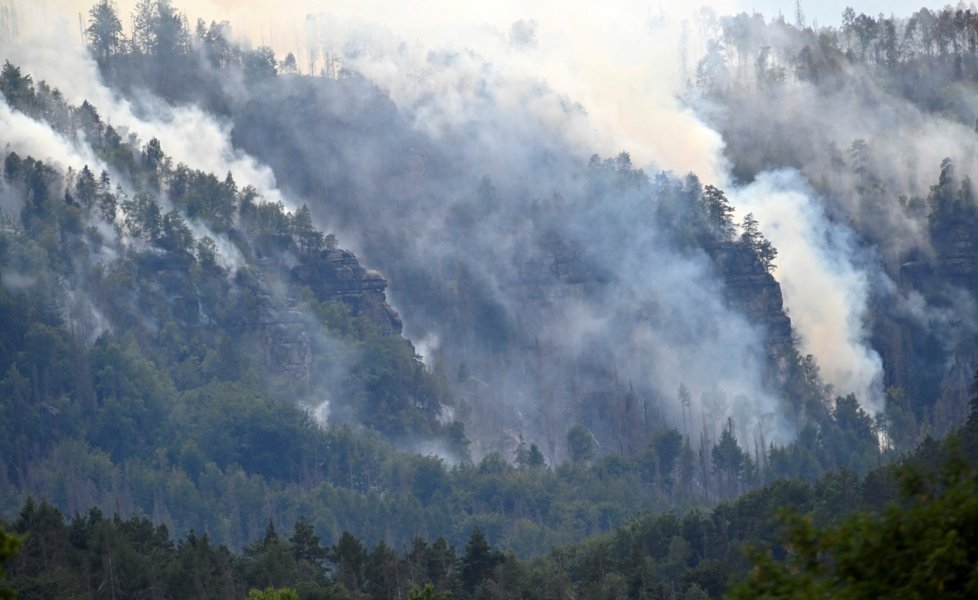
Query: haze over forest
(501, 276)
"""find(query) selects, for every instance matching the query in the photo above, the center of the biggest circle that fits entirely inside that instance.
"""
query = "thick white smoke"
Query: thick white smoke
(48, 45)
(26, 136)
(825, 288)
(619, 62)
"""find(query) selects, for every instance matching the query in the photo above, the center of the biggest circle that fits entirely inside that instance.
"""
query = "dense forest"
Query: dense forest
(904, 529)
(195, 349)
(601, 378)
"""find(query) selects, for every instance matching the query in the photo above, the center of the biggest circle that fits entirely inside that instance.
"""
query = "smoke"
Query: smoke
(426, 348)
(86, 320)
(545, 341)
(618, 67)
(320, 412)
(870, 138)
(26, 136)
(875, 148)
(568, 280)
(228, 256)
(826, 289)
(49, 46)
(617, 62)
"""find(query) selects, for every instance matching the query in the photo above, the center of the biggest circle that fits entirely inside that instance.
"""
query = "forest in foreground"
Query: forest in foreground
(278, 328)
(901, 530)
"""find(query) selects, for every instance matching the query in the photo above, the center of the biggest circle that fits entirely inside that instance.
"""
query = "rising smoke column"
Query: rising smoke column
(825, 287)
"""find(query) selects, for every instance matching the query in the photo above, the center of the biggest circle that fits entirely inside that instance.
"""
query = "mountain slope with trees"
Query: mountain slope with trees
(785, 539)
(605, 395)
(156, 363)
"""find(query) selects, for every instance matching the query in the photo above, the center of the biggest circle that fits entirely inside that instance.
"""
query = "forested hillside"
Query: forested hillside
(805, 540)
(894, 163)
(157, 371)
(382, 316)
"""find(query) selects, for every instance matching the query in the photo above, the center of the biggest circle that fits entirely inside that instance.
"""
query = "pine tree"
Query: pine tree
(104, 31)
(479, 560)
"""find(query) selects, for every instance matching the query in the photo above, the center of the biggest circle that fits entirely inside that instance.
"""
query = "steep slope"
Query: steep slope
(875, 115)
(181, 349)
(189, 340)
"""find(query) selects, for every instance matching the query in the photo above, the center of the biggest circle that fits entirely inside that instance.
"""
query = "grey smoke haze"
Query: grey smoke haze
(522, 133)
(639, 306)
(635, 302)
(617, 60)
(24, 135)
(832, 326)
(48, 46)
(631, 307)
(904, 148)
(873, 155)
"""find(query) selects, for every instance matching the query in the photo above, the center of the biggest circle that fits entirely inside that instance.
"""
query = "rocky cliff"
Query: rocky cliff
(336, 275)
(333, 275)
(756, 293)
(928, 343)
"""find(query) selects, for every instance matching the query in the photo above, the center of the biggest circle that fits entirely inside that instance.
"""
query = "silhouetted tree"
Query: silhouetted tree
(479, 560)
(104, 31)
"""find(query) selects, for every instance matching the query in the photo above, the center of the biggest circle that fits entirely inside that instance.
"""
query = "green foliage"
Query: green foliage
(16, 87)
(260, 64)
(921, 543)
(529, 458)
(762, 247)
(718, 212)
(479, 560)
(215, 420)
(307, 237)
(204, 197)
(729, 460)
(305, 543)
(667, 444)
(273, 594)
(8, 548)
(350, 558)
(925, 545)
(580, 443)
(427, 593)
(173, 411)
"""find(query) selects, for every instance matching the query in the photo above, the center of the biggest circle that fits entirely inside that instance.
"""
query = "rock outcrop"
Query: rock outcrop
(756, 293)
(928, 344)
(332, 275)
(286, 342)
(956, 250)
(337, 275)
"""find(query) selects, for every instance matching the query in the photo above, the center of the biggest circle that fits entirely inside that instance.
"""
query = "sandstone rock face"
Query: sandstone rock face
(956, 248)
(929, 353)
(336, 274)
(755, 292)
(749, 288)
(332, 275)
(286, 343)
(587, 388)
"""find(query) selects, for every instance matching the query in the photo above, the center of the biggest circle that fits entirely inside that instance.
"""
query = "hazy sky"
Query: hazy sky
(828, 12)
